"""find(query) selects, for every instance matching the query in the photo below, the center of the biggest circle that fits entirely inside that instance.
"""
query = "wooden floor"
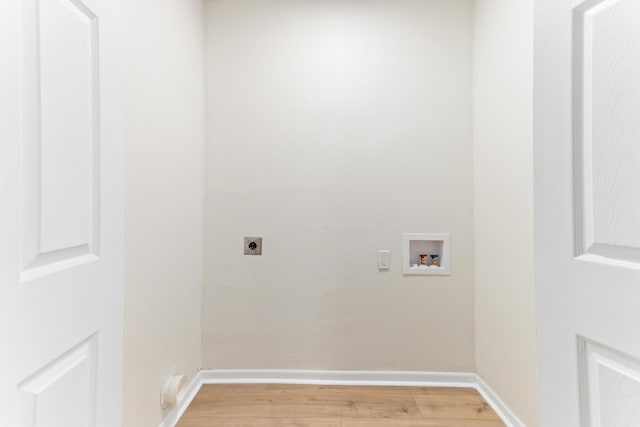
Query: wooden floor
(270, 405)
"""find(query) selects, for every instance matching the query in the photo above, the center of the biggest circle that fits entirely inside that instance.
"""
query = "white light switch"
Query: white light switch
(384, 260)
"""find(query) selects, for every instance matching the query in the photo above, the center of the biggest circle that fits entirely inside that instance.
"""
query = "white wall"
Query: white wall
(503, 202)
(334, 127)
(164, 199)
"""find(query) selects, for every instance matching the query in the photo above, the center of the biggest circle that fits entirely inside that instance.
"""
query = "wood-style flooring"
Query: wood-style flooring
(271, 405)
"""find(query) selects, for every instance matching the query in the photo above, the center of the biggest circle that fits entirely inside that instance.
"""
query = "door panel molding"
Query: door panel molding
(60, 128)
(606, 128)
(609, 386)
(68, 382)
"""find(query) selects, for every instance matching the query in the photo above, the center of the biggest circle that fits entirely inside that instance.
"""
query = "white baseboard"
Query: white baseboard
(498, 405)
(379, 378)
(372, 378)
(172, 417)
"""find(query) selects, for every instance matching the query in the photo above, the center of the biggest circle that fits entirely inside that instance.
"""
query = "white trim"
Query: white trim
(371, 378)
(172, 417)
(376, 378)
(498, 405)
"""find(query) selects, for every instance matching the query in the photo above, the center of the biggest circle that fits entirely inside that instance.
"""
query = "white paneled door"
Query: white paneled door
(587, 198)
(61, 213)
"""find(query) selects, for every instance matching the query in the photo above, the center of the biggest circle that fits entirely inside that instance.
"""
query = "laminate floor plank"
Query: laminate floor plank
(370, 422)
(263, 405)
(387, 390)
(259, 422)
(350, 402)
(455, 407)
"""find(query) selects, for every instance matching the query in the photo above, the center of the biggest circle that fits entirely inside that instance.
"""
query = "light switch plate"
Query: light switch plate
(384, 260)
(253, 245)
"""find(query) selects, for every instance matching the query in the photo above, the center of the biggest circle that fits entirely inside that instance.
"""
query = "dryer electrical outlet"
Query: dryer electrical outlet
(253, 245)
